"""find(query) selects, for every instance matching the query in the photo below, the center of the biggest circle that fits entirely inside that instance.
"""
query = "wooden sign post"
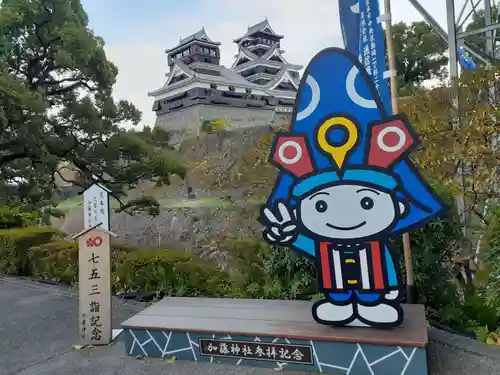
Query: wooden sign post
(94, 268)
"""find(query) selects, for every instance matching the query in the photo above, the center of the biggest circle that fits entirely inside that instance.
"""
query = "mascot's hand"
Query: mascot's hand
(392, 295)
(282, 228)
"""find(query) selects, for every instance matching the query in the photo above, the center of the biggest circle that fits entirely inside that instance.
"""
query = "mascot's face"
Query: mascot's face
(349, 211)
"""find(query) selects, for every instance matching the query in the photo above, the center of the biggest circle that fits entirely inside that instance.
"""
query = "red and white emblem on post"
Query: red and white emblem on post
(94, 241)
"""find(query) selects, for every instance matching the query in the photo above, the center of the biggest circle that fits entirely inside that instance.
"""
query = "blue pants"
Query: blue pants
(363, 297)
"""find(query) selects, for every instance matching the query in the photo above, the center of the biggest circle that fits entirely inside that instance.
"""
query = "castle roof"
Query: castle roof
(263, 26)
(200, 36)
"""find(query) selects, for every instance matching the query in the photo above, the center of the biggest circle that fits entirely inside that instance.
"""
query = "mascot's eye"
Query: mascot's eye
(321, 206)
(367, 203)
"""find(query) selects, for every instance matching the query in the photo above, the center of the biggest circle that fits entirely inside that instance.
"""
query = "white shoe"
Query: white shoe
(381, 314)
(327, 312)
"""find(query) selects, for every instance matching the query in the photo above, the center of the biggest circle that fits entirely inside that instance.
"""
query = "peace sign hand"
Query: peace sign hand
(280, 230)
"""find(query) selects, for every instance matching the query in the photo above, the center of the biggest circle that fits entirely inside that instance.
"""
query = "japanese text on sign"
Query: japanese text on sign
(94, 280)
(94, 306)
(368, 50)
(96, 206)
(287, 353)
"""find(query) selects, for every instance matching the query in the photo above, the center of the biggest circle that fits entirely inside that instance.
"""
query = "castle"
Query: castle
(259, 89)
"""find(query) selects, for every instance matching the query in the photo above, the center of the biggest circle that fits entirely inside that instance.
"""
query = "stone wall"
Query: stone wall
(191, 228)
(188, 229)
(190, 119)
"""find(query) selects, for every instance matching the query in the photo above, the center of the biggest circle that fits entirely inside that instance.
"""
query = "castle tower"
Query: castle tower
(197, 47)
(198, 89)
(260, 60)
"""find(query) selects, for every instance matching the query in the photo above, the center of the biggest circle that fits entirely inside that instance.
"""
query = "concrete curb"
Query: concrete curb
(464, 344)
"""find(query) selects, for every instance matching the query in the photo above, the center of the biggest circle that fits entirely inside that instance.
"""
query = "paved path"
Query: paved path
(38, 326)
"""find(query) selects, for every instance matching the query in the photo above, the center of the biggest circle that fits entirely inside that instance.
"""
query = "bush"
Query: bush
(294, 274)
(15, 245)
(55, 261)
(490, 257)
(471, 314)
(171, 272)
(258, 270)
(14, 217)
(433, 249)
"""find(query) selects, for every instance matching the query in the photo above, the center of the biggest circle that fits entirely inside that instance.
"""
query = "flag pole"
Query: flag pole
(411, 295)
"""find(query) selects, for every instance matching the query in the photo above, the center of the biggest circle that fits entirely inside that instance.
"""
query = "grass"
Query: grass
(76, 203)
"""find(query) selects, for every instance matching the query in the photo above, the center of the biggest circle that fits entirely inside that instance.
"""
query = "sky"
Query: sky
(138, 32)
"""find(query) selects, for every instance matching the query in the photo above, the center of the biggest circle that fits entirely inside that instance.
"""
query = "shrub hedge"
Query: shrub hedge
(171, 272)
(258, 270)
(55, 261)
(167, 271)
(14, 245)
(14, 217)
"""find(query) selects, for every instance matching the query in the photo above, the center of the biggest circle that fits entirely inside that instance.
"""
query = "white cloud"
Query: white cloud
(307, 29)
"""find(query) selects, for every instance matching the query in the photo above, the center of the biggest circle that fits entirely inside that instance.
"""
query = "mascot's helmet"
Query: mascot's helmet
(387, 143)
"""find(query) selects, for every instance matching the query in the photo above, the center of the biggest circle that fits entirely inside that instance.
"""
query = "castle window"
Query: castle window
(213, 53)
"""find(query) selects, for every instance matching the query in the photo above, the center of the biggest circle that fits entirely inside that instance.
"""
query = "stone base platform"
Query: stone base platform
(274, 334)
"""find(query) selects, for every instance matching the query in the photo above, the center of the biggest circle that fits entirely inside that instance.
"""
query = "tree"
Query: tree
(56, 106)
(446, 148)
(419, 55)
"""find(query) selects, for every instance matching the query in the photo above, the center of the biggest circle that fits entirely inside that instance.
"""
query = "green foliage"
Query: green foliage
(14, 217)
(490, 257)
(472, 313)
(171, 272)
(56, 106)
(292, 273)
(58, 260)
(419, 55)
(214, 126)
(174, 273)
(55, 261)
(433, 250)
(471, 147)
(14, 245)
(262, 271)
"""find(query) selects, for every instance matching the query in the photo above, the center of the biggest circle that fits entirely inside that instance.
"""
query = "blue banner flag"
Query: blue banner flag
(360, 21)
(349, 18)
